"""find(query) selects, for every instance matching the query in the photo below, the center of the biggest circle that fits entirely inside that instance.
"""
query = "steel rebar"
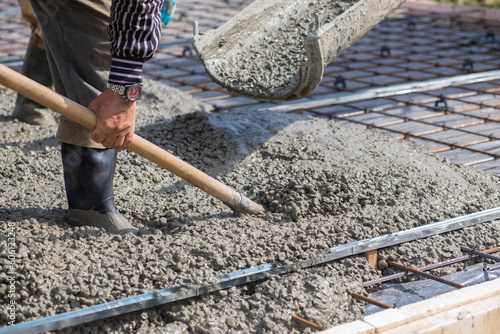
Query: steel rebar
(371, 301)
(308, 323)
(424, 274)
(427, 267)
(481, 254)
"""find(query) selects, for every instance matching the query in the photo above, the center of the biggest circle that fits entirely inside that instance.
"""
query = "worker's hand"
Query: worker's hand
(115, 120)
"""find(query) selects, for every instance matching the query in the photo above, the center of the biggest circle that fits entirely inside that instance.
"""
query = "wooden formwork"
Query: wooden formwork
(474, 309)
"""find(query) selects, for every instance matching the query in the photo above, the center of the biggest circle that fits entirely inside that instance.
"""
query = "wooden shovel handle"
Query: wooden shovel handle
(84, 116)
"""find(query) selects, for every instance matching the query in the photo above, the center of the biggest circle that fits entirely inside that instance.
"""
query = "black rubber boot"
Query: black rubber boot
(36, 67)
(88, 177)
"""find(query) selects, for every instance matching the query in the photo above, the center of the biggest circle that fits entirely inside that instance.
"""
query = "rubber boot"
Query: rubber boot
(36, 67)
(88, 178)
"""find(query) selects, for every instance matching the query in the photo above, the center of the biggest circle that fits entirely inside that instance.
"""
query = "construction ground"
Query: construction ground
(420, 91)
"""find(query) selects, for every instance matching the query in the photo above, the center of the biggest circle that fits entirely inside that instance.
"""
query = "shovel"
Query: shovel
(64, 106)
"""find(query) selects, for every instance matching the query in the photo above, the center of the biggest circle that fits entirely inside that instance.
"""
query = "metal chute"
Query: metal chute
(243, 55)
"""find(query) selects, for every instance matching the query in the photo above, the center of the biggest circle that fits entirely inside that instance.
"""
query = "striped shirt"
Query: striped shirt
(134, 32)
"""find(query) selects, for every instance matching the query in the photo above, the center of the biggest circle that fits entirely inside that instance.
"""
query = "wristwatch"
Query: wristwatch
(130, 92)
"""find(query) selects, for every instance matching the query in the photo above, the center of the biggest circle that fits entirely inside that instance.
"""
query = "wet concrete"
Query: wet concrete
(322, 184)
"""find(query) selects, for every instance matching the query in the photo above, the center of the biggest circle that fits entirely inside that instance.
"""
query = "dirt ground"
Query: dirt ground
(322, 184)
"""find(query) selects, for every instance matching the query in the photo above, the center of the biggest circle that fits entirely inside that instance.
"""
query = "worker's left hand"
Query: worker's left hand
(115, 120)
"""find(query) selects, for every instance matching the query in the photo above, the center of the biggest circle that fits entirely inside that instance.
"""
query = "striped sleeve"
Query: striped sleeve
(134, 32)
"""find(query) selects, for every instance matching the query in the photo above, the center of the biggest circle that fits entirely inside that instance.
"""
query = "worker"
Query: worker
(36, 67)
(96, 50)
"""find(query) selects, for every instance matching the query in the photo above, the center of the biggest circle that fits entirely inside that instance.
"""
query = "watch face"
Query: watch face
(134, 92)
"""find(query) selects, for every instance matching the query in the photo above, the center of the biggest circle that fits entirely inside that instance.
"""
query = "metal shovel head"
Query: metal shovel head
(277, 50)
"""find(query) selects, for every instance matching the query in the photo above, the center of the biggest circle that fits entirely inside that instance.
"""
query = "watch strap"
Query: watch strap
(119, 89)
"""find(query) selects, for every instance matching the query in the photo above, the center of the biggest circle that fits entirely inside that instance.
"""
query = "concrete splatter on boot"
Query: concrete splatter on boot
(88, 178)
(36, 67)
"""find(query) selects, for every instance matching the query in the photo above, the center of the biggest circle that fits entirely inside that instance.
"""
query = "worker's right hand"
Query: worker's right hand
(115, 120)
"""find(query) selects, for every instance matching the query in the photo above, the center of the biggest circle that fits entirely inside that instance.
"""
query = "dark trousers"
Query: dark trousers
(78, 50)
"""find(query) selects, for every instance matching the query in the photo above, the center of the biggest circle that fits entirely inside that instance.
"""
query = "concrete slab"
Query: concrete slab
(490, 167)
(376, 119)
(453, 120)
(453, 105)
(484, 99)
(431, 146)
(451, 92)
(454, 137)
(412, 112)
(489, 129)
(485, 113)
(337, 110)
(376, 104)
(415, 98)
(465, 157)
(414, 128)
(490, 146)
